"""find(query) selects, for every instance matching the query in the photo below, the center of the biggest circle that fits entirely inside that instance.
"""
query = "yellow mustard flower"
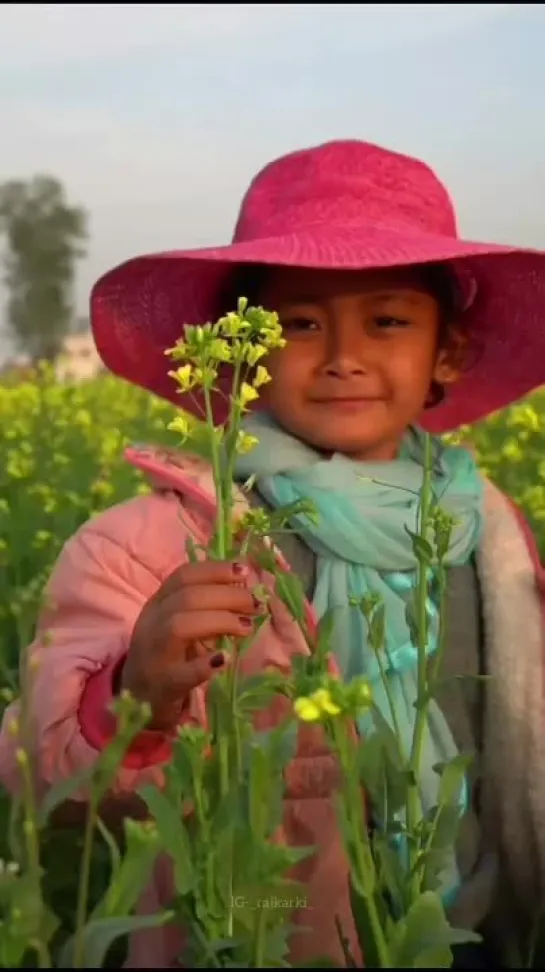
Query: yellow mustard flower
(220, 350)
(261, 377)
(183, 377)
(181, 425)
(253, 353)
(306, 709)
(317, 706)
(363, 694)
(247, 394)
(245, 442)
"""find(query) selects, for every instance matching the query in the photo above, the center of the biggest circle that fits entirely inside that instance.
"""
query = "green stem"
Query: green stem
(83, 883)
(220, 552)
(32, 846)
(219, 538)
(29, 824)
(233, 425)
(204, 836)
(433, 676)
(223, 749)
(232, 676)
(30, 821)
(209, 954)
(390, 697)
(260, 928)
(414, 808)
(286, 595)
(223, 543)
(437, 661)
(351, 797)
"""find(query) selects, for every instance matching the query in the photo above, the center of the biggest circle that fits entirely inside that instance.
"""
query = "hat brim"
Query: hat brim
(142, 307)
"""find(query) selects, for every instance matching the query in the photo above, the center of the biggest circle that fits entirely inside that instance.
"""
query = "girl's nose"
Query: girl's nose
(343, 366)
(345, 349)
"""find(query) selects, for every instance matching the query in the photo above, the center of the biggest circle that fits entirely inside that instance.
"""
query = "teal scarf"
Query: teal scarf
(362, 547)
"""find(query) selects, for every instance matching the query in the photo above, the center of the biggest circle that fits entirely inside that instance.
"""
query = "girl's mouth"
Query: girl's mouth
(348, 401)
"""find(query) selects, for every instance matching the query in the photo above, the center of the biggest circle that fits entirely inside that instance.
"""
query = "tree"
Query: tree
(44, 237)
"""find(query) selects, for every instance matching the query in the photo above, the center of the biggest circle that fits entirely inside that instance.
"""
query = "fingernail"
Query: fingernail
(239, 569)
(256, 602)
(246, 622)
(217, 661)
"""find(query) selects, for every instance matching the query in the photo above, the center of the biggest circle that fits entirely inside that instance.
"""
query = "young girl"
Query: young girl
(392, 324)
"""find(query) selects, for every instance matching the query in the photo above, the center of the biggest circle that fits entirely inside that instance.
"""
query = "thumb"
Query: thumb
(198, 671)
(186, 677)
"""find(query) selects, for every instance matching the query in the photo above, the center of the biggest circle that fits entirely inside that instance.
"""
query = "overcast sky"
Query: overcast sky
(156, 116)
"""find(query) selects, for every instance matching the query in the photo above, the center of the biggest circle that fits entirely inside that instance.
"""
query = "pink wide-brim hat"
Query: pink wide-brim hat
(343, 205)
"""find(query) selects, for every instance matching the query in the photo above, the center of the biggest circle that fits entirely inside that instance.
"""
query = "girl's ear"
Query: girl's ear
(451, 358)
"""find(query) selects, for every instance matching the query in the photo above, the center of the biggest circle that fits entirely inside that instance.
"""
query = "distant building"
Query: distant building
(79, 359)
(16, 370)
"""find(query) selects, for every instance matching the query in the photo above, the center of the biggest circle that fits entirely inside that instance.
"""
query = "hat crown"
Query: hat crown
(352, 184)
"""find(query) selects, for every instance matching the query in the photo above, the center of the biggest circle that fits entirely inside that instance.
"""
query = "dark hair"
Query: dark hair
(441, 283)
(248, 280)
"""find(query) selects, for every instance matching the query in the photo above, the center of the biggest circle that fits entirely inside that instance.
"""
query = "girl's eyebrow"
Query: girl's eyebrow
(411, 296)
(302, 299)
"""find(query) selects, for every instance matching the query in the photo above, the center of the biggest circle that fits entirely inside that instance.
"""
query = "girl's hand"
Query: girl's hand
(174, 643)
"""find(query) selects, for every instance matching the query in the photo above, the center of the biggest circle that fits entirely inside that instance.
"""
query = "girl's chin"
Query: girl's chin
(359, 448)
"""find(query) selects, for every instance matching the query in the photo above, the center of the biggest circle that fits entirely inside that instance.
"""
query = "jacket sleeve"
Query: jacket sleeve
(92, 602)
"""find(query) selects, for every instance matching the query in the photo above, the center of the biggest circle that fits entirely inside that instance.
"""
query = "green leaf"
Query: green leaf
(99, 936)
(443, 824)
(290, 590)
(28, 920)
(257, 691)
(412, 620)
(365, 927)
(247, 643)
(392, 876)
(180, 773)
(113, 848)
(61, 792)
(452, 780)
(423, 938)
(259, 773)
(173, 834)
(133, 872)
(371, 764)
(377, 629)
(383, 770)
(422, 548)
(323, 642)
(284, 741)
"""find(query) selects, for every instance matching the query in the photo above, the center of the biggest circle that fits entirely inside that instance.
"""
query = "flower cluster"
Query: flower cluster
(240, 340)
(334, 698)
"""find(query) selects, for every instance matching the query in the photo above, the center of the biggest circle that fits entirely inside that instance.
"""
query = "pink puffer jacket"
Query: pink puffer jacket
(116, 562)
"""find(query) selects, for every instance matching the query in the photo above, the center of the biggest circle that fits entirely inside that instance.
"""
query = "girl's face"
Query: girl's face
(362, 351)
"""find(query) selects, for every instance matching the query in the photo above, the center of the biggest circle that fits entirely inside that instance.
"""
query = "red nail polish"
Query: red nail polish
(217, 661)
(239, 569)
(246, 622)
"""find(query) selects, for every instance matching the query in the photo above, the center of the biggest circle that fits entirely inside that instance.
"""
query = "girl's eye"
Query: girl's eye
(385, 323)
(299, 324)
